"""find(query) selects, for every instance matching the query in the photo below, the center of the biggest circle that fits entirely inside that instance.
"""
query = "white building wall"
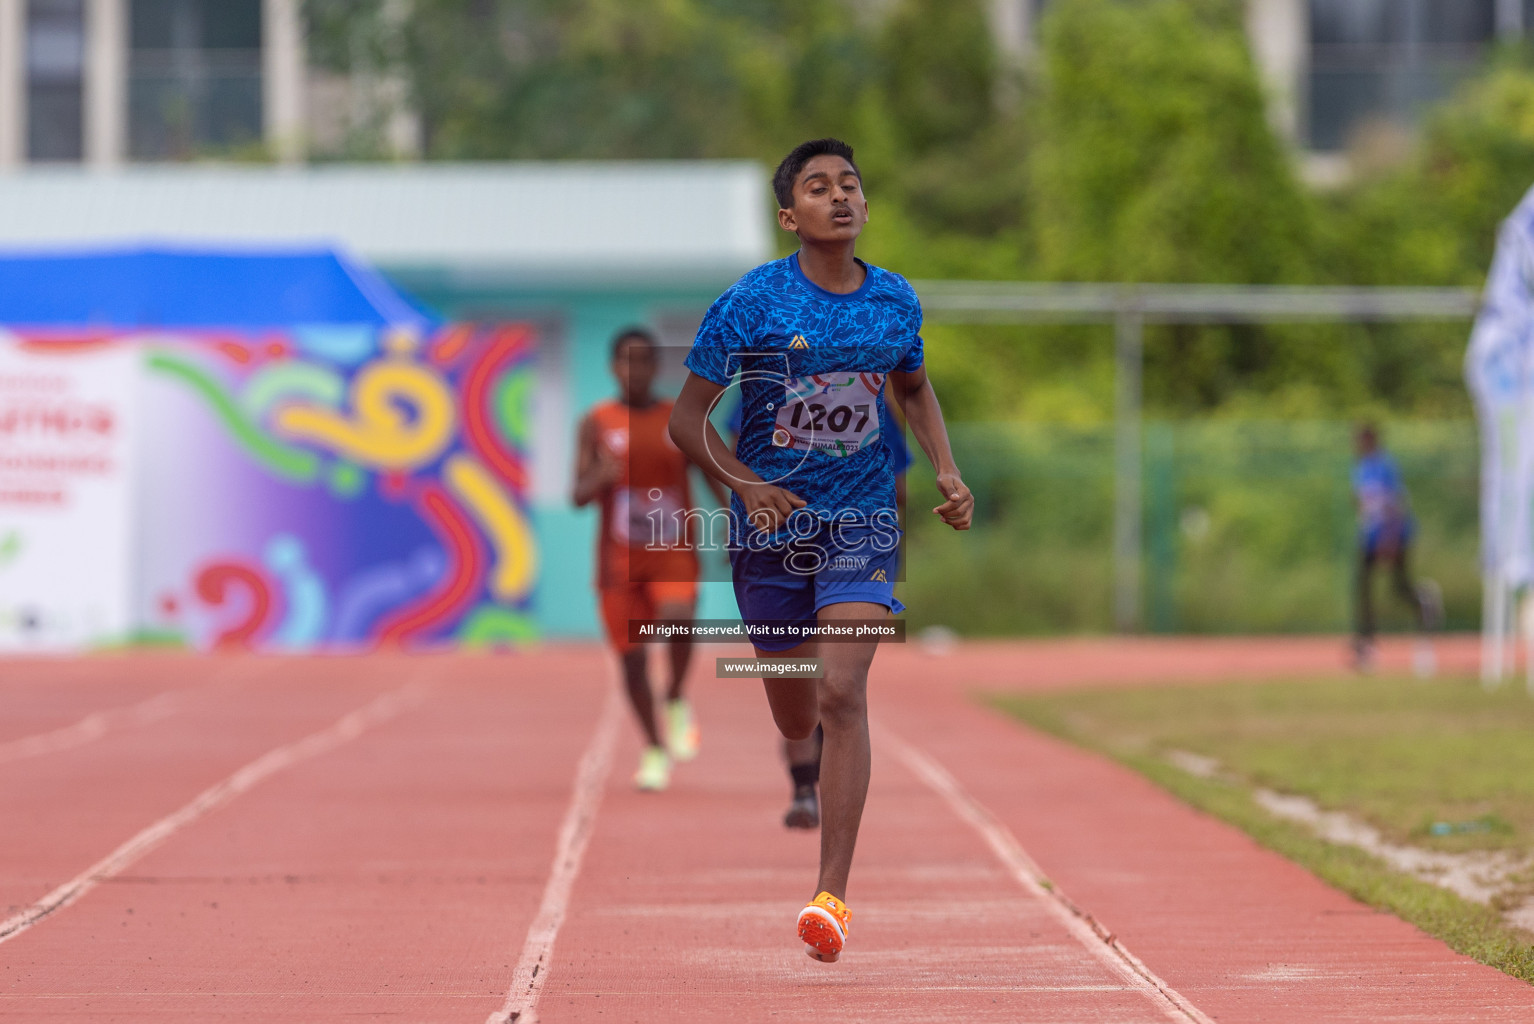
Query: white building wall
(283, 78)
(106, 82)
(1280, 37)
(1012, 22)
(13, 83)
(1510, 18)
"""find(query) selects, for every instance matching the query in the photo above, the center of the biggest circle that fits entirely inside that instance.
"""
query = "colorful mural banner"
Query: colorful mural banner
(333, 488)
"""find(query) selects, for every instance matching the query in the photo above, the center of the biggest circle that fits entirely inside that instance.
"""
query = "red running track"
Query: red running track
(318, 839)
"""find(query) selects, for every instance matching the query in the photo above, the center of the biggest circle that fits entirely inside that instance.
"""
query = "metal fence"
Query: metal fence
(1129, 308)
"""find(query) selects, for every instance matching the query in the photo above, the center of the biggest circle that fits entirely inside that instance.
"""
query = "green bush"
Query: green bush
(1248, 526)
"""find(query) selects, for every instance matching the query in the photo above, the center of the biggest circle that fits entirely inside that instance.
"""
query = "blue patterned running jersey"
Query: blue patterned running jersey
(812, 366)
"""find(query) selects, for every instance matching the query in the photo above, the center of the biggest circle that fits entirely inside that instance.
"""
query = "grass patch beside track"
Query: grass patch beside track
(1399, 754)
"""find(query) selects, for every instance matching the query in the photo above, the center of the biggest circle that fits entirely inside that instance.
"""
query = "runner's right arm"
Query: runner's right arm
(767, 507)
(596, 468)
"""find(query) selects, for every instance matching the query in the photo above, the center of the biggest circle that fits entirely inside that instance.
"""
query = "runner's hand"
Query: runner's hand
(768, 507)
(958, 510)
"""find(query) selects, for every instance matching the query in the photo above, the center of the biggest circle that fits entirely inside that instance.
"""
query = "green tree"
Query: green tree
(552, 79)
(1154, 158)
(1154, 162)
(1434, 220)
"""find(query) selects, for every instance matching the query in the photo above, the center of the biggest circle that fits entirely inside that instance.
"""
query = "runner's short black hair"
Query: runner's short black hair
(788, 171)
(640, 334)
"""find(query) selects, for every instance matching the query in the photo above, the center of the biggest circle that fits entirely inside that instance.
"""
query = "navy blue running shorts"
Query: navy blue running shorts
(787, 581)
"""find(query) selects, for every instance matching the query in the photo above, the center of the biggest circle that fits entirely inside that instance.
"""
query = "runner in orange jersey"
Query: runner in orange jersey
(626, 461)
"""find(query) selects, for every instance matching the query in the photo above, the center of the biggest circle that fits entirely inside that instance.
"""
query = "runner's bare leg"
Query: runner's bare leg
(680, 646)
(637, 681)
(845, 757)
(795, 703)
(805, 751)
(839, 702)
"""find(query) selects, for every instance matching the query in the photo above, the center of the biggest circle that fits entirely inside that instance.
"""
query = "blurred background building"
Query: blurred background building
(149, 90)
(422, 139)
(578, 251)
(1339, 69)
(106, 81)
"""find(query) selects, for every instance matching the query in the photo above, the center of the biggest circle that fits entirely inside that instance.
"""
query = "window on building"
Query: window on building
(1376, 62)
(55, 53)
(194, 77)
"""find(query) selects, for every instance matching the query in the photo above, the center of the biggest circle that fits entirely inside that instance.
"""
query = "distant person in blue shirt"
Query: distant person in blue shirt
(1385, 529)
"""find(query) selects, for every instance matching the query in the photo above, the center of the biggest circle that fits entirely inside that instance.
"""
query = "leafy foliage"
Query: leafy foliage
(1135, 146)
(1154, 159)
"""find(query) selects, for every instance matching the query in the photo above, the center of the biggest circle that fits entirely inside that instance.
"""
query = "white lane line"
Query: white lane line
(91, 727)
(349, 727)
(97, 724)
(1090, 932)
(521, 1004)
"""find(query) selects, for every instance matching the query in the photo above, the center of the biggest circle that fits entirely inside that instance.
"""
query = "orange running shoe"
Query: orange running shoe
(823, 927)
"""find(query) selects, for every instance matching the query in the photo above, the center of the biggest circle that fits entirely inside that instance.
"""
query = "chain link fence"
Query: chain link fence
(1207, 526)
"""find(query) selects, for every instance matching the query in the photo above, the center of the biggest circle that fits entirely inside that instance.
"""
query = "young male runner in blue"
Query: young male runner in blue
(814, 528)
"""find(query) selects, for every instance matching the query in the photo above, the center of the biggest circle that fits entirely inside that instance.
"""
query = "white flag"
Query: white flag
(1497, 368)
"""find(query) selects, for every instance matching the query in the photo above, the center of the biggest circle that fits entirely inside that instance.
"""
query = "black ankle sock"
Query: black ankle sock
(804, 775)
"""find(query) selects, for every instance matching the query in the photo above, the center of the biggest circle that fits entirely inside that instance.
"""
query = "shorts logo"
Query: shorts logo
(798, 342)
(879, 576)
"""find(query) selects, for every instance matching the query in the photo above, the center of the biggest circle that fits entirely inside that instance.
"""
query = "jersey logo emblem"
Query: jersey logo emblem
(879, 576)
(798, 342)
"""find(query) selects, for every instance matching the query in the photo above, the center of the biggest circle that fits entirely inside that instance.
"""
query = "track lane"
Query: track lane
(685, 911)
(398, 876)
(393, 877)
(41, 697)
(155, 834)
(75, 806)
(114, 716)
(1243, 933)
(532, 970)
(1095, 939)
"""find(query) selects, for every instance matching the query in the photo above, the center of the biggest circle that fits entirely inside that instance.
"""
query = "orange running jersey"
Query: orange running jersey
(647, 503)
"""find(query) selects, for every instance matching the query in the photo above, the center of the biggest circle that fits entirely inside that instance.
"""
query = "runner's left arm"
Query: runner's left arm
(914, 392)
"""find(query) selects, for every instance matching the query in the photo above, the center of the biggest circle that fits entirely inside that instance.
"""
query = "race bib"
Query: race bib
(836, 413)
(647, 517)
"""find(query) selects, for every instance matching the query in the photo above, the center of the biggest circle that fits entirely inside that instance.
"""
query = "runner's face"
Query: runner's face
(829, 205)
(634, 368)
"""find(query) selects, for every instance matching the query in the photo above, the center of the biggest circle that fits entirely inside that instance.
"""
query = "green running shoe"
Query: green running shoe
(654, 772)
(681, 731)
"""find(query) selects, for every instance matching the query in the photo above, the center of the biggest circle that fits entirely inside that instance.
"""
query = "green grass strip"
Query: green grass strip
(1472, 929)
